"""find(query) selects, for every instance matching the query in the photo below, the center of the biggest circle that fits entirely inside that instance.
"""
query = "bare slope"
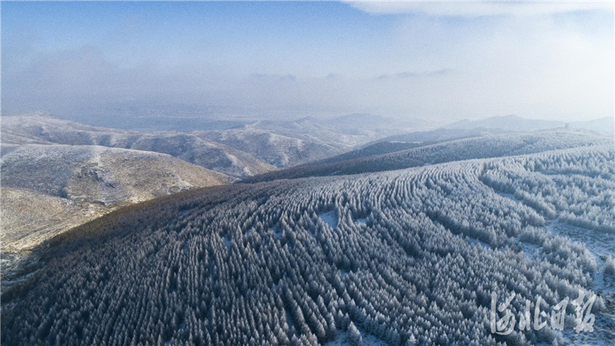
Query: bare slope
(29, 217)
(98, 174)
(51, 188)
(402, 257)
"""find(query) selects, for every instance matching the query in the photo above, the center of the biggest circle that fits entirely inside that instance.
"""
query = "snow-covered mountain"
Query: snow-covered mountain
(290, 143)
(603, 125)
(511, 123)
(245, 150)
(99, 174)
(403, 257)
(385, 157)
(185, 146)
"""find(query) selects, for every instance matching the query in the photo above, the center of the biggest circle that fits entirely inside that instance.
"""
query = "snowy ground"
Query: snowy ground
(343, 340)
(329, 218)
(600, 244)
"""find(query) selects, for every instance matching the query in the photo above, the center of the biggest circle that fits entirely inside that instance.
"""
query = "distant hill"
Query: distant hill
(477, 128)
(455, 150)
(437, 135)
(275, 145)
(243, 150)
(290, 143)
(511, 123)
(604, 125)
(185, 146)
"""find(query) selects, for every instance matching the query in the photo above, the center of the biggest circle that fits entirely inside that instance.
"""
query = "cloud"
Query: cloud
(415, 74)
(428, 67)
(460, 8)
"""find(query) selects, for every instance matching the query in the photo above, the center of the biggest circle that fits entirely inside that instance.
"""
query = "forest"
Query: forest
(405, 257)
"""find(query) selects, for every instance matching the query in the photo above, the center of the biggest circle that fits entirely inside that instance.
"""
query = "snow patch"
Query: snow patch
(479, 243)
(342, 339)
(361, 221)
(277, 232)
(600, 245)
(329, 218)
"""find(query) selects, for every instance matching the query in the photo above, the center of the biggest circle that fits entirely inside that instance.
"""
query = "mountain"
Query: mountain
(274, 145)
(242, 150)
(290, 143)
(511, 123)
(48, 189)
(185, 146)
(428, 154)
(437, 135)
(603, 125)
(405, 257)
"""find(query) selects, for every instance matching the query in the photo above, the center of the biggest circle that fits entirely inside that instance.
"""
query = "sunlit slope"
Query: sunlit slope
(51, 188)
(28, 217)
(98, 174)
(455, 150)
(405, 257)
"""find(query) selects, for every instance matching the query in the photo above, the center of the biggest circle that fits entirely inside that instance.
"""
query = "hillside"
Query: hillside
(455, 150)
(98, 174)
(240, 151)
(273, 145)
(513, 123)
(604, 125)
(185, 146)
(398, 258)
(494, 126)
(290, 143)
(29, 217)
(48, 189)
(509, 123)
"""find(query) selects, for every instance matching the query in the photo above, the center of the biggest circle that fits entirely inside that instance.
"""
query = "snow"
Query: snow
(342, 339)
(361, 221)
(277, 232)
(329, 218)
(600, 244)
(530, 250)
(479, 242)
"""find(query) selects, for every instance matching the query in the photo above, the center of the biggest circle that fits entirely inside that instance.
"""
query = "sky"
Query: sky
(441, 62)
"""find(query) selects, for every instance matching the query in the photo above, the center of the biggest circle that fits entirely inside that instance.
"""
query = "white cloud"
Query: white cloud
(478, 8)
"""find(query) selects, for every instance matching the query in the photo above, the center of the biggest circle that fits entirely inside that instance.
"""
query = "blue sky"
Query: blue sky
(290, 59)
